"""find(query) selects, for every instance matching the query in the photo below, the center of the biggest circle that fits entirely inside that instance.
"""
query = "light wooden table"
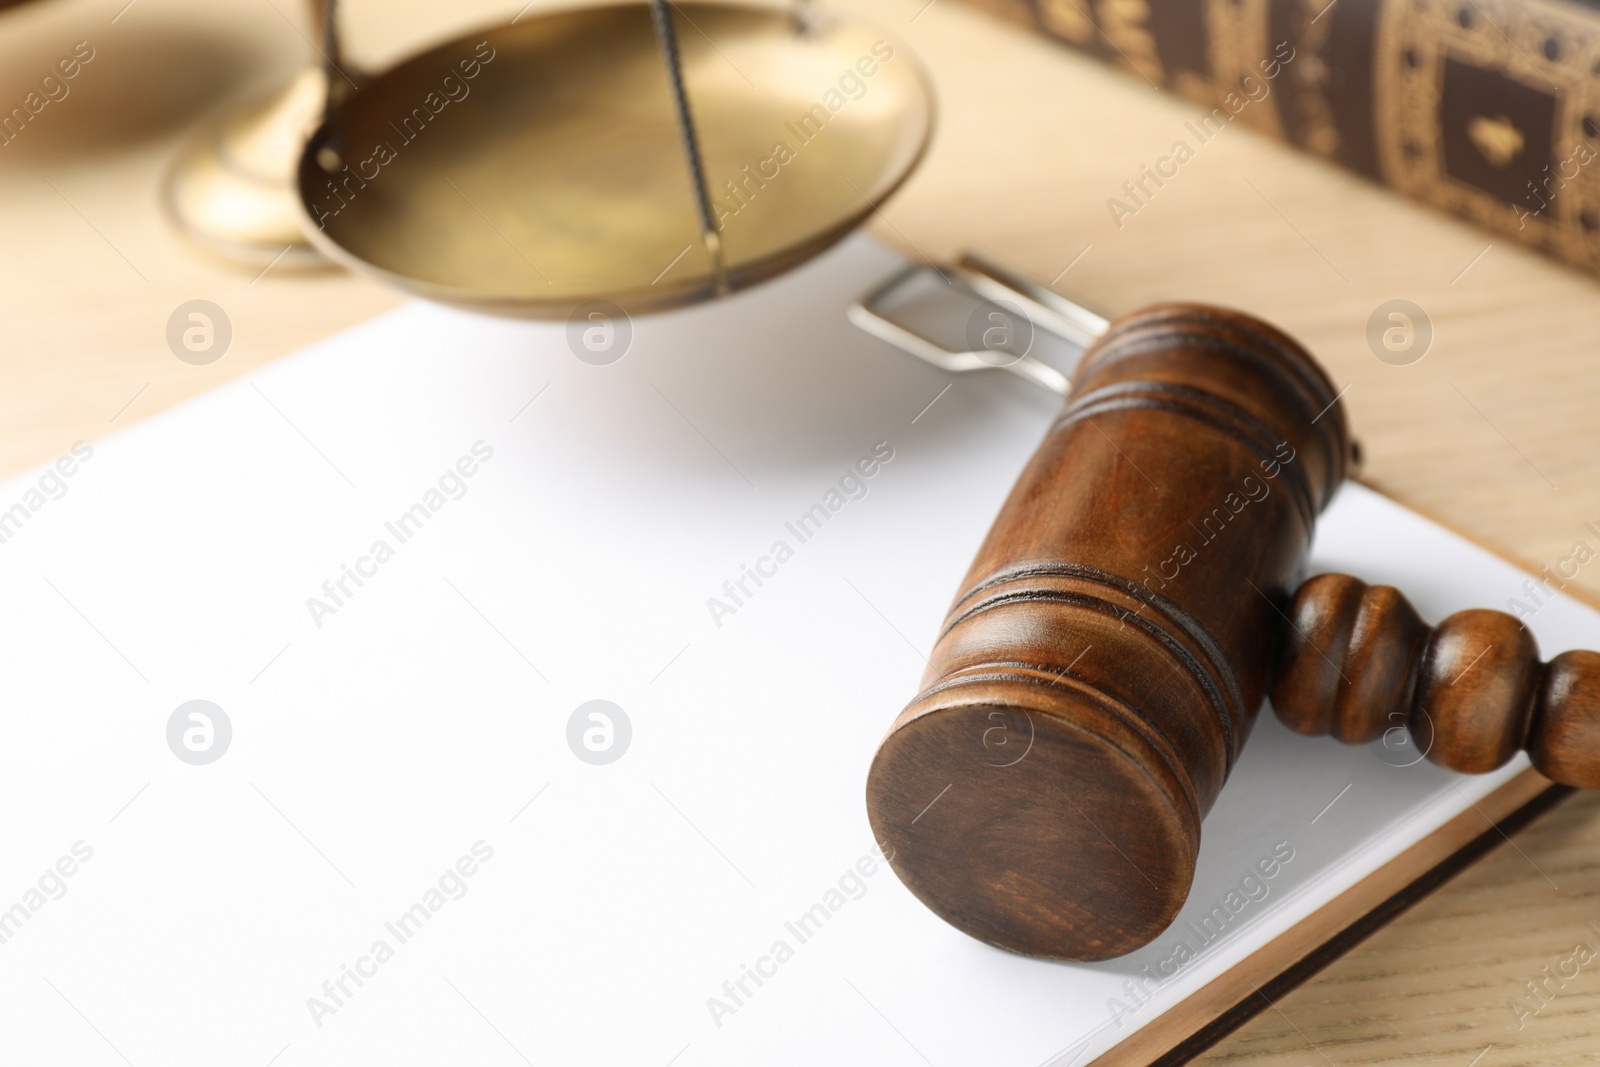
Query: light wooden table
(1494, 432)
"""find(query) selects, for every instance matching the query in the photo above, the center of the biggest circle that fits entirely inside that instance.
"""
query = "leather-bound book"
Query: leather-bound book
(1489, 109)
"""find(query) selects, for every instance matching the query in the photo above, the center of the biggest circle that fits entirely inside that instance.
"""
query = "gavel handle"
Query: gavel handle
(1358, 662)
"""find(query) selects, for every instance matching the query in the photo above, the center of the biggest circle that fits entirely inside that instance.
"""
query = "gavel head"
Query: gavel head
(1108, 651)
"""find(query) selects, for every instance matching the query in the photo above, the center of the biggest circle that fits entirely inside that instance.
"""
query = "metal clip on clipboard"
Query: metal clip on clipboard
(976, 315)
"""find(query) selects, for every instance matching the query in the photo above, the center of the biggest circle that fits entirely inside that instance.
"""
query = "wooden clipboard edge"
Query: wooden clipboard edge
(1251, 986)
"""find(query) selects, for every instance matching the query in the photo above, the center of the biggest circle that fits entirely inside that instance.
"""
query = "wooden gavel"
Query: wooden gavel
(1135, 599)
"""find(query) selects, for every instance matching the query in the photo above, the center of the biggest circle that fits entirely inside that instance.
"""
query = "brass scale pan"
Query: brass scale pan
(560, 172)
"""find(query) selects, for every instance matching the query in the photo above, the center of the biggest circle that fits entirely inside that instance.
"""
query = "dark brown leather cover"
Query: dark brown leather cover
(1489, 110)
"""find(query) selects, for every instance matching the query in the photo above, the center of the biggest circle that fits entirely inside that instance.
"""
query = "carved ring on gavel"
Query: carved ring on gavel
(1133, 603)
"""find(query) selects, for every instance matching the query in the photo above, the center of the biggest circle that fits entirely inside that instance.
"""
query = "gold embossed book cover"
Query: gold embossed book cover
(1489, 110)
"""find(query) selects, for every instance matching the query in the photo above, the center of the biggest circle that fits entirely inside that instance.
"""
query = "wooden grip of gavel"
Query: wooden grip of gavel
(1357, 662)
(1123, 622)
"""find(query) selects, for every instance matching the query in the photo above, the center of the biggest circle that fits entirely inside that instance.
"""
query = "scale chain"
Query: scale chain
(667, 35)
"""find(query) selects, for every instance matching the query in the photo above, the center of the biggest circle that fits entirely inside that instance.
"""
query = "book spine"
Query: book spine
(1487, 109)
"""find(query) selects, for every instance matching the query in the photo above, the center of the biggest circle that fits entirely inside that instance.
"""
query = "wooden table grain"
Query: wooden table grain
(1493, 431)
